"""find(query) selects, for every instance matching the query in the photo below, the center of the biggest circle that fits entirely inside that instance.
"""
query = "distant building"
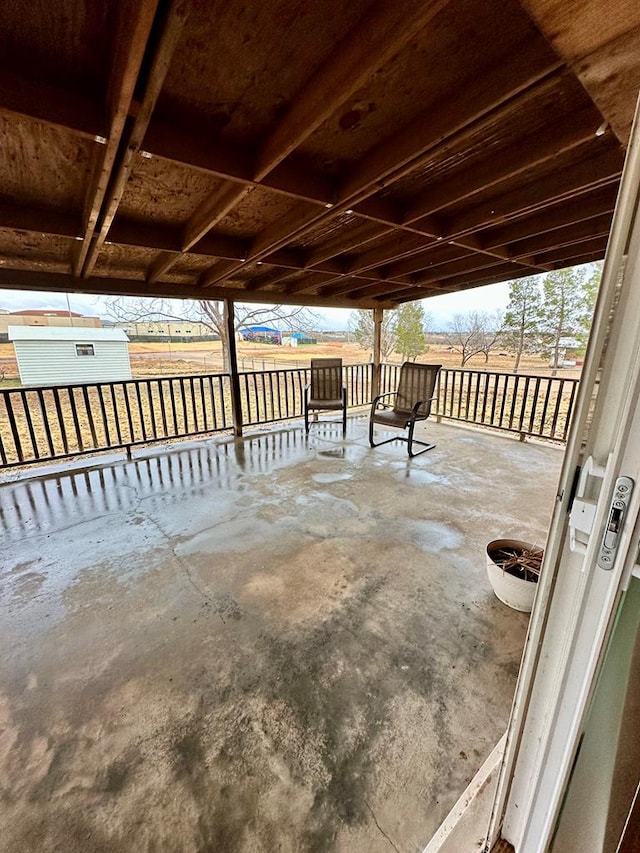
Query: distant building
(45, 317)
(182, 331)
(297, 339)
(261, 335)
(70, 355)
(568, 352)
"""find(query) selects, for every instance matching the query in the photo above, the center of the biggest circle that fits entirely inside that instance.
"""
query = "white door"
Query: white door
(590, 554)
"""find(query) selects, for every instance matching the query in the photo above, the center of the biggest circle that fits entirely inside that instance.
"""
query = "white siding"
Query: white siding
(56, 363)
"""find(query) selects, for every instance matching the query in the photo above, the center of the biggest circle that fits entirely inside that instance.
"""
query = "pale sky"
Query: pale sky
(441, 308)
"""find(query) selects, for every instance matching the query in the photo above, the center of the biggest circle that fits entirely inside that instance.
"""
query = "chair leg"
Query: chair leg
(411, 441)
(306, 419)
(344, 421)
(373, 443)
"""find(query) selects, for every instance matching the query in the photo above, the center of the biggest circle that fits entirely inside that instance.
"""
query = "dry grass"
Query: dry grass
(163, 359)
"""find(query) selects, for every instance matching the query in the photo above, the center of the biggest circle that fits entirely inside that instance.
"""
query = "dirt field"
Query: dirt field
(163, 359)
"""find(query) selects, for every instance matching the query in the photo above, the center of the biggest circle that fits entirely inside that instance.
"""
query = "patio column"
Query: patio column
(236, 402)
(377, 346)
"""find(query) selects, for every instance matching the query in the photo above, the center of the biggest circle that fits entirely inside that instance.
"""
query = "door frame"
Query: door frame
(576, 601)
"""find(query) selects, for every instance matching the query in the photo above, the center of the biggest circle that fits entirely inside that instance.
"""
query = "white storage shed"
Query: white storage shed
(66, 355)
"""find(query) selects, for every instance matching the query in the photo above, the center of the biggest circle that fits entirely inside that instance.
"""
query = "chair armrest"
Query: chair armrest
(387, 394)
(377, 399)
(421, 403)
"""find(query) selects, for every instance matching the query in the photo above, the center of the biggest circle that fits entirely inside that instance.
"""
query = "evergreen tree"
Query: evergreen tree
(410, 330)
(566, 309)
(520, 327)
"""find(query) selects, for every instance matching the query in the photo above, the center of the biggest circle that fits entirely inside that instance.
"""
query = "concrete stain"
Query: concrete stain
(256, 663)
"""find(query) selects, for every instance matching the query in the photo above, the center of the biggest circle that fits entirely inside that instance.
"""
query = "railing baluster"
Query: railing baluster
(163, 411)
(29, 420)
(205, 420)
(87, 406)
(543, 416)
(63, 430)
(127, 403)
(193, 405)
(523, 407)
(476, 396)
(514, 400)
(494, 400)
(14, 429)
(103, 412)
(174, 413)
(116, 414)
(143, 420)
(74, 415)
(183, 397)
(567, 418)
(534, 404)
(213, 402)
(154, 426)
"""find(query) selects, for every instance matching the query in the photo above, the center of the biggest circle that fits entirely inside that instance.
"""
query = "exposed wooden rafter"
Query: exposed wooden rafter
(257, 151)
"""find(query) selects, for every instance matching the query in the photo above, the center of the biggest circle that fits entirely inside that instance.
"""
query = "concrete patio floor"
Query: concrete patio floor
(278, 644)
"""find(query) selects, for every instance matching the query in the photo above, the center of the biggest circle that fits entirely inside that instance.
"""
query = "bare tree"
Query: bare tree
(472, 334)
(211, 313)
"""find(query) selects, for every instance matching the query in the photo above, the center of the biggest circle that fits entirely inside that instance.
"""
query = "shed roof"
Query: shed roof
(64, 333)
(347, 152)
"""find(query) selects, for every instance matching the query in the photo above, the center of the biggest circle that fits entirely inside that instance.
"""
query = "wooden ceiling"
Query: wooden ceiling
(343, 152)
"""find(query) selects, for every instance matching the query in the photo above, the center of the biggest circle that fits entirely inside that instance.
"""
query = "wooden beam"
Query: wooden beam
(109, 286)
(398, 247)
(535, 150)
(358, 237)
(523, 70)
(556, 215)
(564, 254)
(373, 290)
(469, 264)
(527, 66)
(134, 31)
(577, 260)
(503, 272)
(383, 31)
(52, 106)
(597, 227)
(433, 257)
(583, 177)
(236, 399)
(171, 31)
(268, 279)
(20, 218)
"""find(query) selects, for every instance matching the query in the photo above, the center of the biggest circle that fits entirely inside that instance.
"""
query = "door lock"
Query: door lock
(617, 512)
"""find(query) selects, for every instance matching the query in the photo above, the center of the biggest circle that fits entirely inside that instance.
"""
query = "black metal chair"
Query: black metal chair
(412, 403)
(326, 392)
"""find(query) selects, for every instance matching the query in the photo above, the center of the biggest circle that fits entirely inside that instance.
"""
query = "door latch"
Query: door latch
(617, 512)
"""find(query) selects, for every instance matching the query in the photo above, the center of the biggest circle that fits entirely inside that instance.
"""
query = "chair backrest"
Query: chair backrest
(417, 382)
(326, 378)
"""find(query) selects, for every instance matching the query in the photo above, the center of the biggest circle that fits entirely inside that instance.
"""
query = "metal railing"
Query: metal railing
(537, 406)
(277, 395)
(54, 422)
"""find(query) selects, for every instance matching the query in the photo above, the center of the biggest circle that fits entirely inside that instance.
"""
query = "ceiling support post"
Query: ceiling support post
(377, 348)
(236, 401)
